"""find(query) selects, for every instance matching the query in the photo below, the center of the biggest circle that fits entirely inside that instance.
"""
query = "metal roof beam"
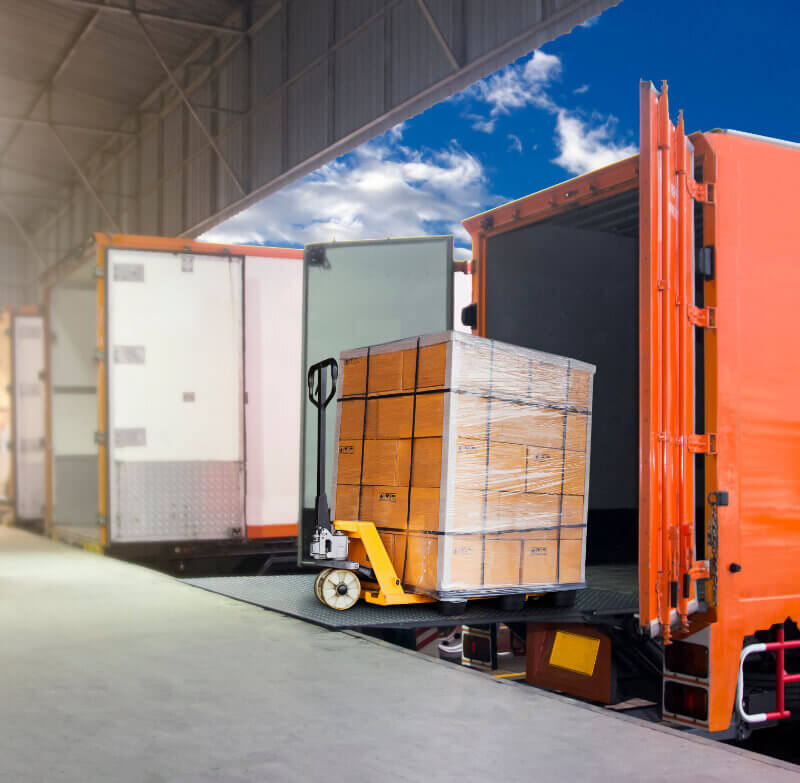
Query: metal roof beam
(24, 234)
(87, 184)
(185, 98)
(156, 16)
(67, 126)
(448, 52)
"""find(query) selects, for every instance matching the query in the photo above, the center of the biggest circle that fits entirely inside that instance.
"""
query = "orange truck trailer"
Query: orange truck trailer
(675, 271)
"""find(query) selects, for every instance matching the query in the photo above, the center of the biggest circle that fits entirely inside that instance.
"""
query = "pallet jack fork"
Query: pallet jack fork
(338, 584)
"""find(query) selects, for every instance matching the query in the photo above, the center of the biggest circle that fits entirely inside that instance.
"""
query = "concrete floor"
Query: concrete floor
(110, 672)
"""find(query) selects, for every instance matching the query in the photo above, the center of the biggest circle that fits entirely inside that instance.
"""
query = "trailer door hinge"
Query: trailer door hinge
(704, 317)
(100, 438)
(99, 272)
(701, 191)
(702, 444)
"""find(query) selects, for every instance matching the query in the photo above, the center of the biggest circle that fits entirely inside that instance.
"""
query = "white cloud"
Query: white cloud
(384, 187)
(583, 146)
(515, 142)
(513, 88)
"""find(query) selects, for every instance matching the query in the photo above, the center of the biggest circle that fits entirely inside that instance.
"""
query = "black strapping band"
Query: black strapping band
(363, 438)
(411, 466)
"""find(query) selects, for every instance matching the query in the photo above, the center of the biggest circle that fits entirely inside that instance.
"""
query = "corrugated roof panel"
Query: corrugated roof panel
(199, 187)
(172, 204)
(232, 86)
(79, 228)
(308, 114)
(411, 32)
(266, 45)
(266, 134)
(308, 28)
(149, 156)
(234, 145)
(16, 94)
(35, 35)
(359, 84)
(114, 62)
(172, 138)
(149, 214)
(352, 13)
(488, 29)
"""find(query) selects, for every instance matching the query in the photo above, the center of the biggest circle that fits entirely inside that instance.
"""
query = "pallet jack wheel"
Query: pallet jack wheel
(338, 588)
(318, 583)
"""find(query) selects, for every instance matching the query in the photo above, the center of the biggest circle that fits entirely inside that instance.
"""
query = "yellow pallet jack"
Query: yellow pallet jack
(339, 584)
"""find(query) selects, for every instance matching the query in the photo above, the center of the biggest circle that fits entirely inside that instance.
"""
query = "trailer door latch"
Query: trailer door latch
(702, 444)
(704, 317)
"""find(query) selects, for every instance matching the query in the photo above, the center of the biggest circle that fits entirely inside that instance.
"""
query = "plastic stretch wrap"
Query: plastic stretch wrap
(471, 457)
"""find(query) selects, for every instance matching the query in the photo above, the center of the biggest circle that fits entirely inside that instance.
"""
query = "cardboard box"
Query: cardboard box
(346, 506)
(351, 419)
(386, 463)
(475, 461)
(544, 470)
(385, 506)
(348, 462)
(570, 559)
(502, 560)
(522, 511)
(463, 562)
(506, 467)
(427, 470)
(429, 415)
(539, 557)
(391, 372)
(389, 418)
(353, 376)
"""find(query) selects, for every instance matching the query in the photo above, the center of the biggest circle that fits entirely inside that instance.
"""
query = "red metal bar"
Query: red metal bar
(669, 423)
(780, 645)
(686, 374)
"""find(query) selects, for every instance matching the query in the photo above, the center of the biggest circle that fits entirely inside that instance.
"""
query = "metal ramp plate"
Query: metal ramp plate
(610, 592)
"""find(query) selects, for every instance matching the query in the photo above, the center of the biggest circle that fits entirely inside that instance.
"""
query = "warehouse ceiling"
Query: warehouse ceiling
(167, 116)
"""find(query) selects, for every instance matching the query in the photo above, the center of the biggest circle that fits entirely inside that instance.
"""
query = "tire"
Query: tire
(318, 583)
(339, 589)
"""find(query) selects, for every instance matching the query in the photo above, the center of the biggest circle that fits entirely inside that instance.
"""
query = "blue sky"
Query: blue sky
(560, 111)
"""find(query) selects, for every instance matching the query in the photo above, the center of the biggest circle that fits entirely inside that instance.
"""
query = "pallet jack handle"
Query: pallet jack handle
(319, 397)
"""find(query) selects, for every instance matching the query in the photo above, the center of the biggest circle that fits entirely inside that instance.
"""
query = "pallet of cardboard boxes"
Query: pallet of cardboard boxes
(472, 459)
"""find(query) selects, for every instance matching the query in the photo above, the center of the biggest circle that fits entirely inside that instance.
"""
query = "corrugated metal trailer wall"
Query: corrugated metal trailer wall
(309, 80)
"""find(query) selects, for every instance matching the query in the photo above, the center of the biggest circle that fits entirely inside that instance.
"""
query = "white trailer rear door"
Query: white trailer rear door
(175, 396)
(27, 347)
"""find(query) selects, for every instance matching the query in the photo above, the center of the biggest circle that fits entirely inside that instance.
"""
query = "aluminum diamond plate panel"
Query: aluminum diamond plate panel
(293, 595)
(177, 501)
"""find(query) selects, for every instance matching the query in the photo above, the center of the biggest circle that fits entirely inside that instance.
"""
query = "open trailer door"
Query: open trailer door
(28, 399)
(174, 449)
(364, 293)
(668, 565)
